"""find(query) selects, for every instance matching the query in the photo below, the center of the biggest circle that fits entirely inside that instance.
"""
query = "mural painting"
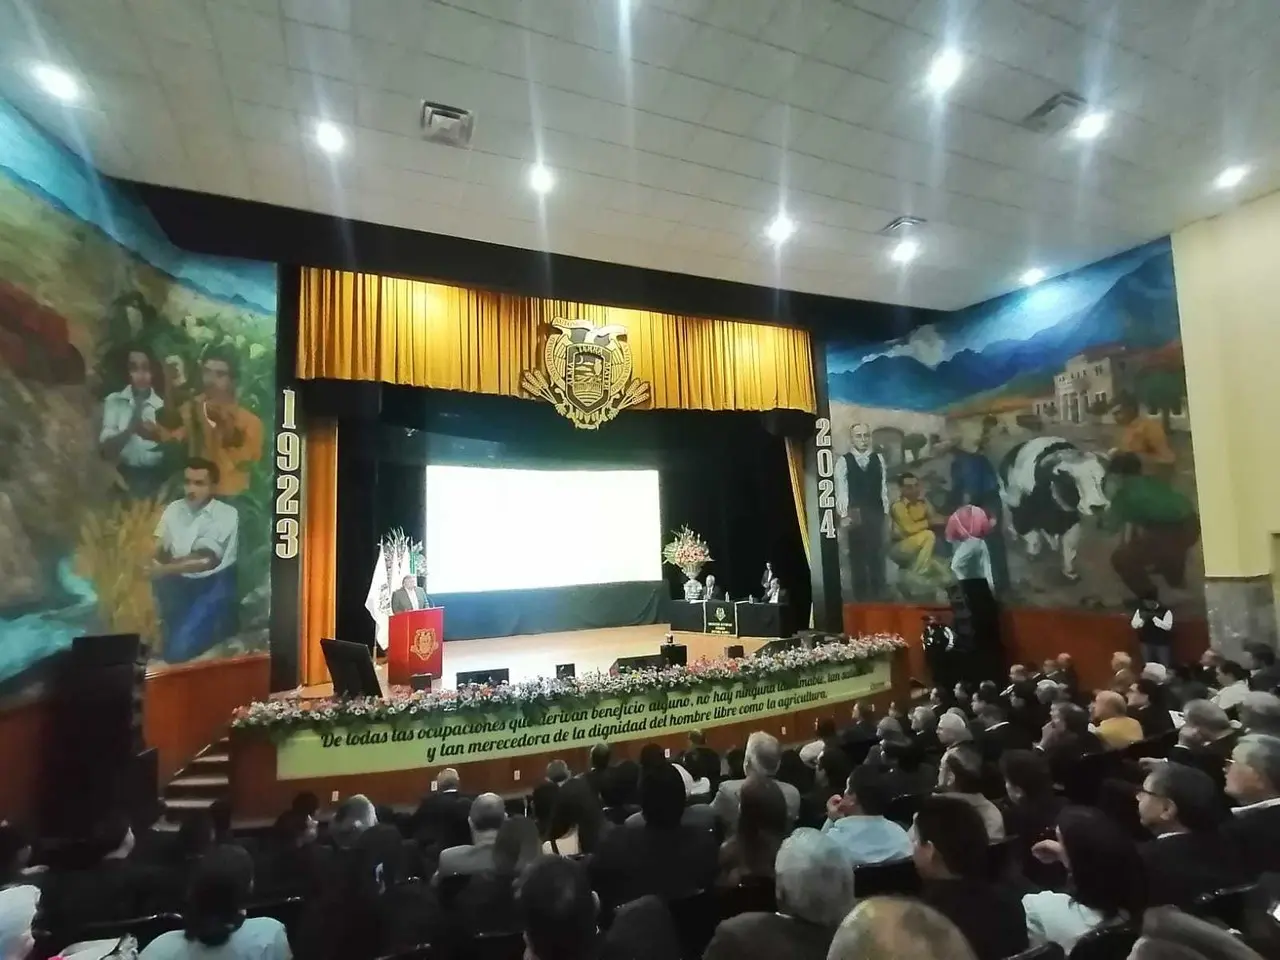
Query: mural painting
(1059, 413)
(136, 406)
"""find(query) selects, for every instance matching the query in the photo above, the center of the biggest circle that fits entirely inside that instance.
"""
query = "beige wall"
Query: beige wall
(1228, 280)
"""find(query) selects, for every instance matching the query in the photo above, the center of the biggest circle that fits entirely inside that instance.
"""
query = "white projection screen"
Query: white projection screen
(492, 528)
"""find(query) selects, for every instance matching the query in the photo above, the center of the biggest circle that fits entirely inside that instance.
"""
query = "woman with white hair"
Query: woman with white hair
(814, 889)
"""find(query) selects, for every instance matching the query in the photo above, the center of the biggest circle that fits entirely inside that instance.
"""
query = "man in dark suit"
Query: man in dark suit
(775, 593)
(441, 817)
(1265, 672)
(858, 738)
(1206, 739)
(1146, 705)
(951, 858)
(1253, 781)
(410, 596)
(711, 590)
(814, 890)
(707, 760)
(998, 734)
(488, 813)
(601, 754)
(1188, 857)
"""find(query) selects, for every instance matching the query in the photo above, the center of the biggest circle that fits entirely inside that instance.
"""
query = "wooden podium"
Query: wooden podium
(415, 644)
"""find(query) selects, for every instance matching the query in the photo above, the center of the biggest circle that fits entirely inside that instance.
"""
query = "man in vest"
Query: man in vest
(862, 501)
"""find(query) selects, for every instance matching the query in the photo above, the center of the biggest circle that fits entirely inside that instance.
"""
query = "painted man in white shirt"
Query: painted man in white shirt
(129, 437)
(194, 573)
(862, 503)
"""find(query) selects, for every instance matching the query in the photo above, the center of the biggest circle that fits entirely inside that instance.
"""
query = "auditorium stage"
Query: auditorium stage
(530, 657)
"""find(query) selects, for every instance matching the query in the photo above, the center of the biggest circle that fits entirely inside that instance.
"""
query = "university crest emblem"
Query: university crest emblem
(424, 643)
(720, 614)
(587, 373)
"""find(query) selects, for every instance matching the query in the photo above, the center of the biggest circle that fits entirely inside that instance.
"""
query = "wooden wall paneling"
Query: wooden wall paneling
(24, 732)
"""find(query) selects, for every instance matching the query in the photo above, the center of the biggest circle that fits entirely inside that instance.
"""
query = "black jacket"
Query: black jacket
(1255, 834)
(1182, 866)
(441, 819)
(1154, 718)
(990, 917)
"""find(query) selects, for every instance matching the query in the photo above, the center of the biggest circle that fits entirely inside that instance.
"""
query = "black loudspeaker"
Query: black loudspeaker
(735, 652)
(565, 671)
(674, 654)
(92, 764)
(420, 681)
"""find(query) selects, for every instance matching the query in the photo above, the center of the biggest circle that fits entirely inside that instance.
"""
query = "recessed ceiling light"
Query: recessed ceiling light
(56, 82)
(330, 138)
(1231, 177)
(1091, 125)
(780, 229)
(541, 180)
(1033, 276)
(945, 71)
(906, 251)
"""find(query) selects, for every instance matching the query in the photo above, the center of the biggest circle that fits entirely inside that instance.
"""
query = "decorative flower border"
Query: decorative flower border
(287, 715)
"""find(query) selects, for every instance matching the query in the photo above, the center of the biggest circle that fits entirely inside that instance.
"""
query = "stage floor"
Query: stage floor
(530, 657)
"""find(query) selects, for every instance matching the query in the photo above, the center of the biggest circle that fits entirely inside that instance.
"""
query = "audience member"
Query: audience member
(1264, 672)
(697, 787)
(895, 928)
(558, 772)
(824, 730)
(832, 774)
(1066, 738)
(1169, 934)
(961, 776)
(814, 889)
(1186, 685)
(441, 818)
(1260, 713)
(952, 861)
(1182, 809)
(542, 800)
(354, 816)
(214, 918)
(708, 760)
(1147, 706)
(662, 857)
(652, 755)
(1067, 674)
(15, 856)
(1115, 728)
(1253, 781)
(18, 906)
(953, 728)
(220, 817)
(763, 757)
(601, 755)
(762, 826)
(641, 930)
(794, 771)
(924, 731)
(856, 821)
(293, 865)
(735, 763)
(860, 736)
(557, 910)
(116, 887)
(1233, 684)
(1107, 881)
(1121, 661)
(1032, 812)
(486, 817)
(1026, 712)
(577, 821)
(403, 911)
(1206, 739)
(997, 733)
(621, 792)
(904, 770)
(487, 903)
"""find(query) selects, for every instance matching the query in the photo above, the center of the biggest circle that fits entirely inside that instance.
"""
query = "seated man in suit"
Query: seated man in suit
(1253, 781)
(1264, 671)
(1147, 707)
(1188, 857)
(762, 759)
(774, 593)
(410, 596)
(711, 590)
(441, 817)
(1206, 739)
(998, 734)
(487, 815)
(1260, 713)
(1115, 728)
(814, 889)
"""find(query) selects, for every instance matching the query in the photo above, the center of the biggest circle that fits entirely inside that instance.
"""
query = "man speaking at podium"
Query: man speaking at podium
(410, 596)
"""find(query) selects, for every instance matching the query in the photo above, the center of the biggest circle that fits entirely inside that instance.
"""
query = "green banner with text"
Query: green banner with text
(472, 737)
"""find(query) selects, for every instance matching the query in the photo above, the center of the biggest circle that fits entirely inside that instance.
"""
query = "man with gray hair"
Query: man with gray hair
(763, 755)
(488, 813)
(1260, 713)
(354, 816)
(953, 729)
(1206, 739)
(894, 928)
(441, 818)
(814, 888)
(1253, 781)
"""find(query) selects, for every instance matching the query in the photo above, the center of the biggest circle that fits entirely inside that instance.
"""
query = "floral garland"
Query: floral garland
(532, 697)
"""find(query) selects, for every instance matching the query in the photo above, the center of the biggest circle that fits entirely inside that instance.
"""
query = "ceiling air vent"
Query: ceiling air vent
(1056, 113)
(442, 123)
(900, 225)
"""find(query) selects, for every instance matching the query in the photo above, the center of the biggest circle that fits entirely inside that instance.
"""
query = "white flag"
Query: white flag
(378, 600)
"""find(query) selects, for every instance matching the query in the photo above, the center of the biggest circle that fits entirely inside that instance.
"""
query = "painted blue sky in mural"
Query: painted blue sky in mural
(41, 165)
(1129, 297)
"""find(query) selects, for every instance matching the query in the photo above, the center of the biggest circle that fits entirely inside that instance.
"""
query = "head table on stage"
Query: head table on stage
(500, 738)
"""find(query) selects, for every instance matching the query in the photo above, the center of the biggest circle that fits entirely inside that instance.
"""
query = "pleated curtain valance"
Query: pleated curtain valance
(356, 326)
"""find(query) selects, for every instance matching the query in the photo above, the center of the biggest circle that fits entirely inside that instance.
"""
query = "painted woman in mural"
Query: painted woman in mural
(974, 483)
(213, 425)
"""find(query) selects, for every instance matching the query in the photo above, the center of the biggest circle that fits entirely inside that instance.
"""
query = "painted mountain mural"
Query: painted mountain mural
(1080, 380)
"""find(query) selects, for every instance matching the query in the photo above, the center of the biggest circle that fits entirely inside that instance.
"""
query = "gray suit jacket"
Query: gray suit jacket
(466, 860)
(726, 802)
(699, 815)
(400, 600)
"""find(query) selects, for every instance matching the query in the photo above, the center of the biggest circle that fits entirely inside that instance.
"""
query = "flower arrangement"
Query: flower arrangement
(687, 551)
(531, 697)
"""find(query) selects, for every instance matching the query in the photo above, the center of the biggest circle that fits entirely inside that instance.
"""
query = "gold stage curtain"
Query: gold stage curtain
(319, 549)
(356, 326)
(795, 465)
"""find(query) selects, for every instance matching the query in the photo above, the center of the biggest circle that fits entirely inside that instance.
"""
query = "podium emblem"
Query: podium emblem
(424, 643)
(720, 614)
(587, 373)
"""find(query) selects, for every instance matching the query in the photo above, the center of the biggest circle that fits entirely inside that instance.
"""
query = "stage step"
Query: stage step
(203, 782)
(188, 804)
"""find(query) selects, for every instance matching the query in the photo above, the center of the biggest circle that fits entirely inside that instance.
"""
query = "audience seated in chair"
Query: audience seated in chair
(1146, 705)
(1260, 713)
(1115, 728)
(487, 815)
(895, 928)
(1233, 684)
(856, 821)
(620, 793)
(214, 917)
(814, 892)
(600, 758)
(1188, 856)
(961, 776)
(763, 757)
(708, 759)
(557, 910)
(1031, 812)
(952, 860)
(924, 733)
(998, 734)
(1107, 880)
(1253, 781)
(354, 816)
(292, 864)
(486, 902)
(905, 770)
(1169, 934)
(1206, 739)
(1066, 738)
(441, 818)
(824, 729)
(762, 826)
(577, 821)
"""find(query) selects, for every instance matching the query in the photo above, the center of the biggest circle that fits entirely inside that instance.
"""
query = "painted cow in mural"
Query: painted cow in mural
(1048, 486)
